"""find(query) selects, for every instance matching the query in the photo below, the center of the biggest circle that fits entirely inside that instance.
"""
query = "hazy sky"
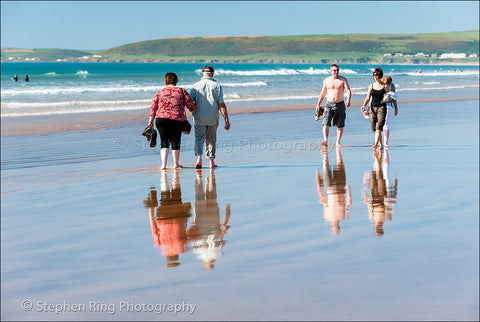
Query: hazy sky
(106, 24)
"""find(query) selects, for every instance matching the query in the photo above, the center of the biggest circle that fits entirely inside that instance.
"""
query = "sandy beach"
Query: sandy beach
(89, 223)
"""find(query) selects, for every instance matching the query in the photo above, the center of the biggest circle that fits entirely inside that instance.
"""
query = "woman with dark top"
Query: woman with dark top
(378, 111)
(168, 112)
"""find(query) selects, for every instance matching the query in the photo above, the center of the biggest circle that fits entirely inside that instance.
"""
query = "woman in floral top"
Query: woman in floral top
(168, 112)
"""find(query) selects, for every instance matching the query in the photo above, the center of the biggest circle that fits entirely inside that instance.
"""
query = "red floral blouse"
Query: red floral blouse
(168, 103)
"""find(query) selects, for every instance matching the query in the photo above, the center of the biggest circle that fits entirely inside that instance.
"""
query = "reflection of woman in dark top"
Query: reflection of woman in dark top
(383, 193)
(378, 111)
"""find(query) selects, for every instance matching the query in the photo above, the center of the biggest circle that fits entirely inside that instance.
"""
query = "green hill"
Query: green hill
(44, 55)
(319, 48)
(303, 48)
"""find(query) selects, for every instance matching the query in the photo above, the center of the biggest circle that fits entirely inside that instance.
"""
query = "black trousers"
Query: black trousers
(170, 133)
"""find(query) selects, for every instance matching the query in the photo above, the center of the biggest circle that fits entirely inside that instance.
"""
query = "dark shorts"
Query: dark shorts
(170, 133)
(335, 112)
(377, 117)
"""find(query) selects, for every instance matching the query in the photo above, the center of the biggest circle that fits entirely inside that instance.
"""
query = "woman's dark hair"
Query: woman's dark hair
(378, 71)
(171, 79)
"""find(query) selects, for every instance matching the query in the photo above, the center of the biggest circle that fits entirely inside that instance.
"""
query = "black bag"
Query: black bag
(187, 127)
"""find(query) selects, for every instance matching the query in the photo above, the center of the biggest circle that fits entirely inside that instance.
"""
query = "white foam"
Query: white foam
(20, 105)
(32, 91)
(265, 72)
(74, 111)
(444, 73)
(247, 84)
(284, 72)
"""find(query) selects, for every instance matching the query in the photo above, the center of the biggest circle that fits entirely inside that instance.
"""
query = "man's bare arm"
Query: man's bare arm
(349, 92)
(223, 110)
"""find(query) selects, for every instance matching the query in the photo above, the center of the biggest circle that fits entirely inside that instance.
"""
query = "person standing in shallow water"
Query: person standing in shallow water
(335, 108)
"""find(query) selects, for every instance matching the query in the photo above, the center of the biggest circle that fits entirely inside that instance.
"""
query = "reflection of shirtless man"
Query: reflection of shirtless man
(333, 87)
(334, 180)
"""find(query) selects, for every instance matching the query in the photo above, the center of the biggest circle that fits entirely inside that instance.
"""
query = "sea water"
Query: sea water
(66, 88)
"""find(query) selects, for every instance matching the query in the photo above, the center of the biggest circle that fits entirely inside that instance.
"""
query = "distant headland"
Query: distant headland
(431, 48)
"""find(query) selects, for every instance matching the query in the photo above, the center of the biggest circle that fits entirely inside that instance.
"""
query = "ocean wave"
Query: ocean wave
(73, 111)
(443, 73)
(282, 72)
(31, 91)
(270, 72)
(76, 90)
(271, 98)
(247, 84)
(436, 88)
(25, 105)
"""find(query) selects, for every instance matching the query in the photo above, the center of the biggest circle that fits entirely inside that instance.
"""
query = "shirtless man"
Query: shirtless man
(333, 88)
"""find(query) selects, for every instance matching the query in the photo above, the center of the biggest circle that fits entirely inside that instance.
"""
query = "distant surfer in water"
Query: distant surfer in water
(334, 87)
(15, 78)
(26, 78)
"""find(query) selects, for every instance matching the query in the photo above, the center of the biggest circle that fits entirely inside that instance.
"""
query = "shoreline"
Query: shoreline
(49, 124)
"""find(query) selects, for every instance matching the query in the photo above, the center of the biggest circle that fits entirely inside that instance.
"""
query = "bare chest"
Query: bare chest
(335, 84)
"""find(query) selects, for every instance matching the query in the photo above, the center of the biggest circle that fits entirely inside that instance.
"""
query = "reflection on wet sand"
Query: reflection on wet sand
(334, 181)
(169, 223)
(207, 230)
(383, 192)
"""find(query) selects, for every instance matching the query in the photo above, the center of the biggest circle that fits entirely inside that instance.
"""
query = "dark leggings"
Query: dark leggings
(170, 132)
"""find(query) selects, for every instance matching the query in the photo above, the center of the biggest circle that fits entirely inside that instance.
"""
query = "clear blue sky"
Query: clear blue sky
(106, 24)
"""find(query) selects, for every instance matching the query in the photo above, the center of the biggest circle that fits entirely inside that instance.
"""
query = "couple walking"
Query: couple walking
(205, 101)
(334, 88)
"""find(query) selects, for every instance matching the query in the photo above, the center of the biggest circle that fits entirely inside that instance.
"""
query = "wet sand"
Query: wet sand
(93, 230)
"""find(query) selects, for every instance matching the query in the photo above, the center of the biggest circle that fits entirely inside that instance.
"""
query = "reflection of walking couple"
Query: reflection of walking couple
(169, 224)
(383, 192)
(334, 181)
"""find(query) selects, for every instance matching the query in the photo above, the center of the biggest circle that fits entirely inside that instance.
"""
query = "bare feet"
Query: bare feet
(212, 165)
(338, 144)
(324, 143)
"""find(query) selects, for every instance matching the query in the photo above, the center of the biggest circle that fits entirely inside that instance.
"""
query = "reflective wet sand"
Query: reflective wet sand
(92, 230)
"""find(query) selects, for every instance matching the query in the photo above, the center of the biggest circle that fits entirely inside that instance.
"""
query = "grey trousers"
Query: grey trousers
(207, 134)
